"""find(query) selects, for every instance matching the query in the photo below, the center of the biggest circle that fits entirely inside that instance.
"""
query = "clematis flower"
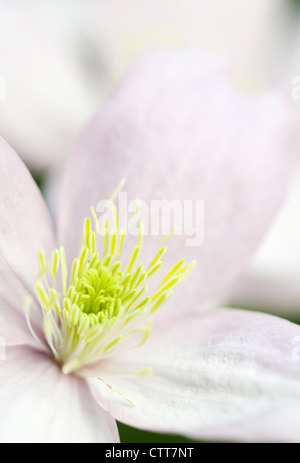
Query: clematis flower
(82, 351)
(60, 59)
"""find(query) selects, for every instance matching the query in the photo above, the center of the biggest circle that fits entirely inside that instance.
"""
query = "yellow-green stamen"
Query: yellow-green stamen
(101, 303)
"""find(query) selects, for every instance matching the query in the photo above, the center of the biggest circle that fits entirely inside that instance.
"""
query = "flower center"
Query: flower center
(104, 303)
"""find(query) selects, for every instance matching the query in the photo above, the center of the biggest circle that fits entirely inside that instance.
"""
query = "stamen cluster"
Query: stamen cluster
(104, 302)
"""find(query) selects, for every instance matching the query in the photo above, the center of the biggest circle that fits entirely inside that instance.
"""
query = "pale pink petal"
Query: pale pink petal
(228, 374)
(176, 129)
(25, 227)
(41, 405)
(13, 327)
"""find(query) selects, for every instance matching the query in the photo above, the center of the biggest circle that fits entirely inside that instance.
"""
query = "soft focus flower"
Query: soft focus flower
(60, 59)
(271, 282)
(53, 77)
(133, 26)
(174, 123)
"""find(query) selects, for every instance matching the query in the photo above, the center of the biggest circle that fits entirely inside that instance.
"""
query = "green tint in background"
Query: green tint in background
(296, 3)
(135, 436)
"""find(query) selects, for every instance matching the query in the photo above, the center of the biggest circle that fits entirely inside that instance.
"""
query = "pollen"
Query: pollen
(100, 306)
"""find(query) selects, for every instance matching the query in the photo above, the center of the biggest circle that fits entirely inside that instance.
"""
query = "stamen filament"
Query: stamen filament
(104, 302)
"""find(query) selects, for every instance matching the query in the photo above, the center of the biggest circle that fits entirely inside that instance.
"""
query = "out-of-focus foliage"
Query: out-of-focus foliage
(296, 3)
(135, 436)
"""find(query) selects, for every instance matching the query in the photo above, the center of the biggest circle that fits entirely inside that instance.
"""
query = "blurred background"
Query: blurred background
(61, 59)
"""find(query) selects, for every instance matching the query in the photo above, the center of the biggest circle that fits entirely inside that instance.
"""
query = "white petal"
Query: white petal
(271, 282)
(26, 227)
(13, 327)
(40, 405)
(50, 93)
(228, 374)
(134, 26)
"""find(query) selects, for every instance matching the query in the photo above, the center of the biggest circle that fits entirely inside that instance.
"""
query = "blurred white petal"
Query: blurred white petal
(272, 279)
(59, 59)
